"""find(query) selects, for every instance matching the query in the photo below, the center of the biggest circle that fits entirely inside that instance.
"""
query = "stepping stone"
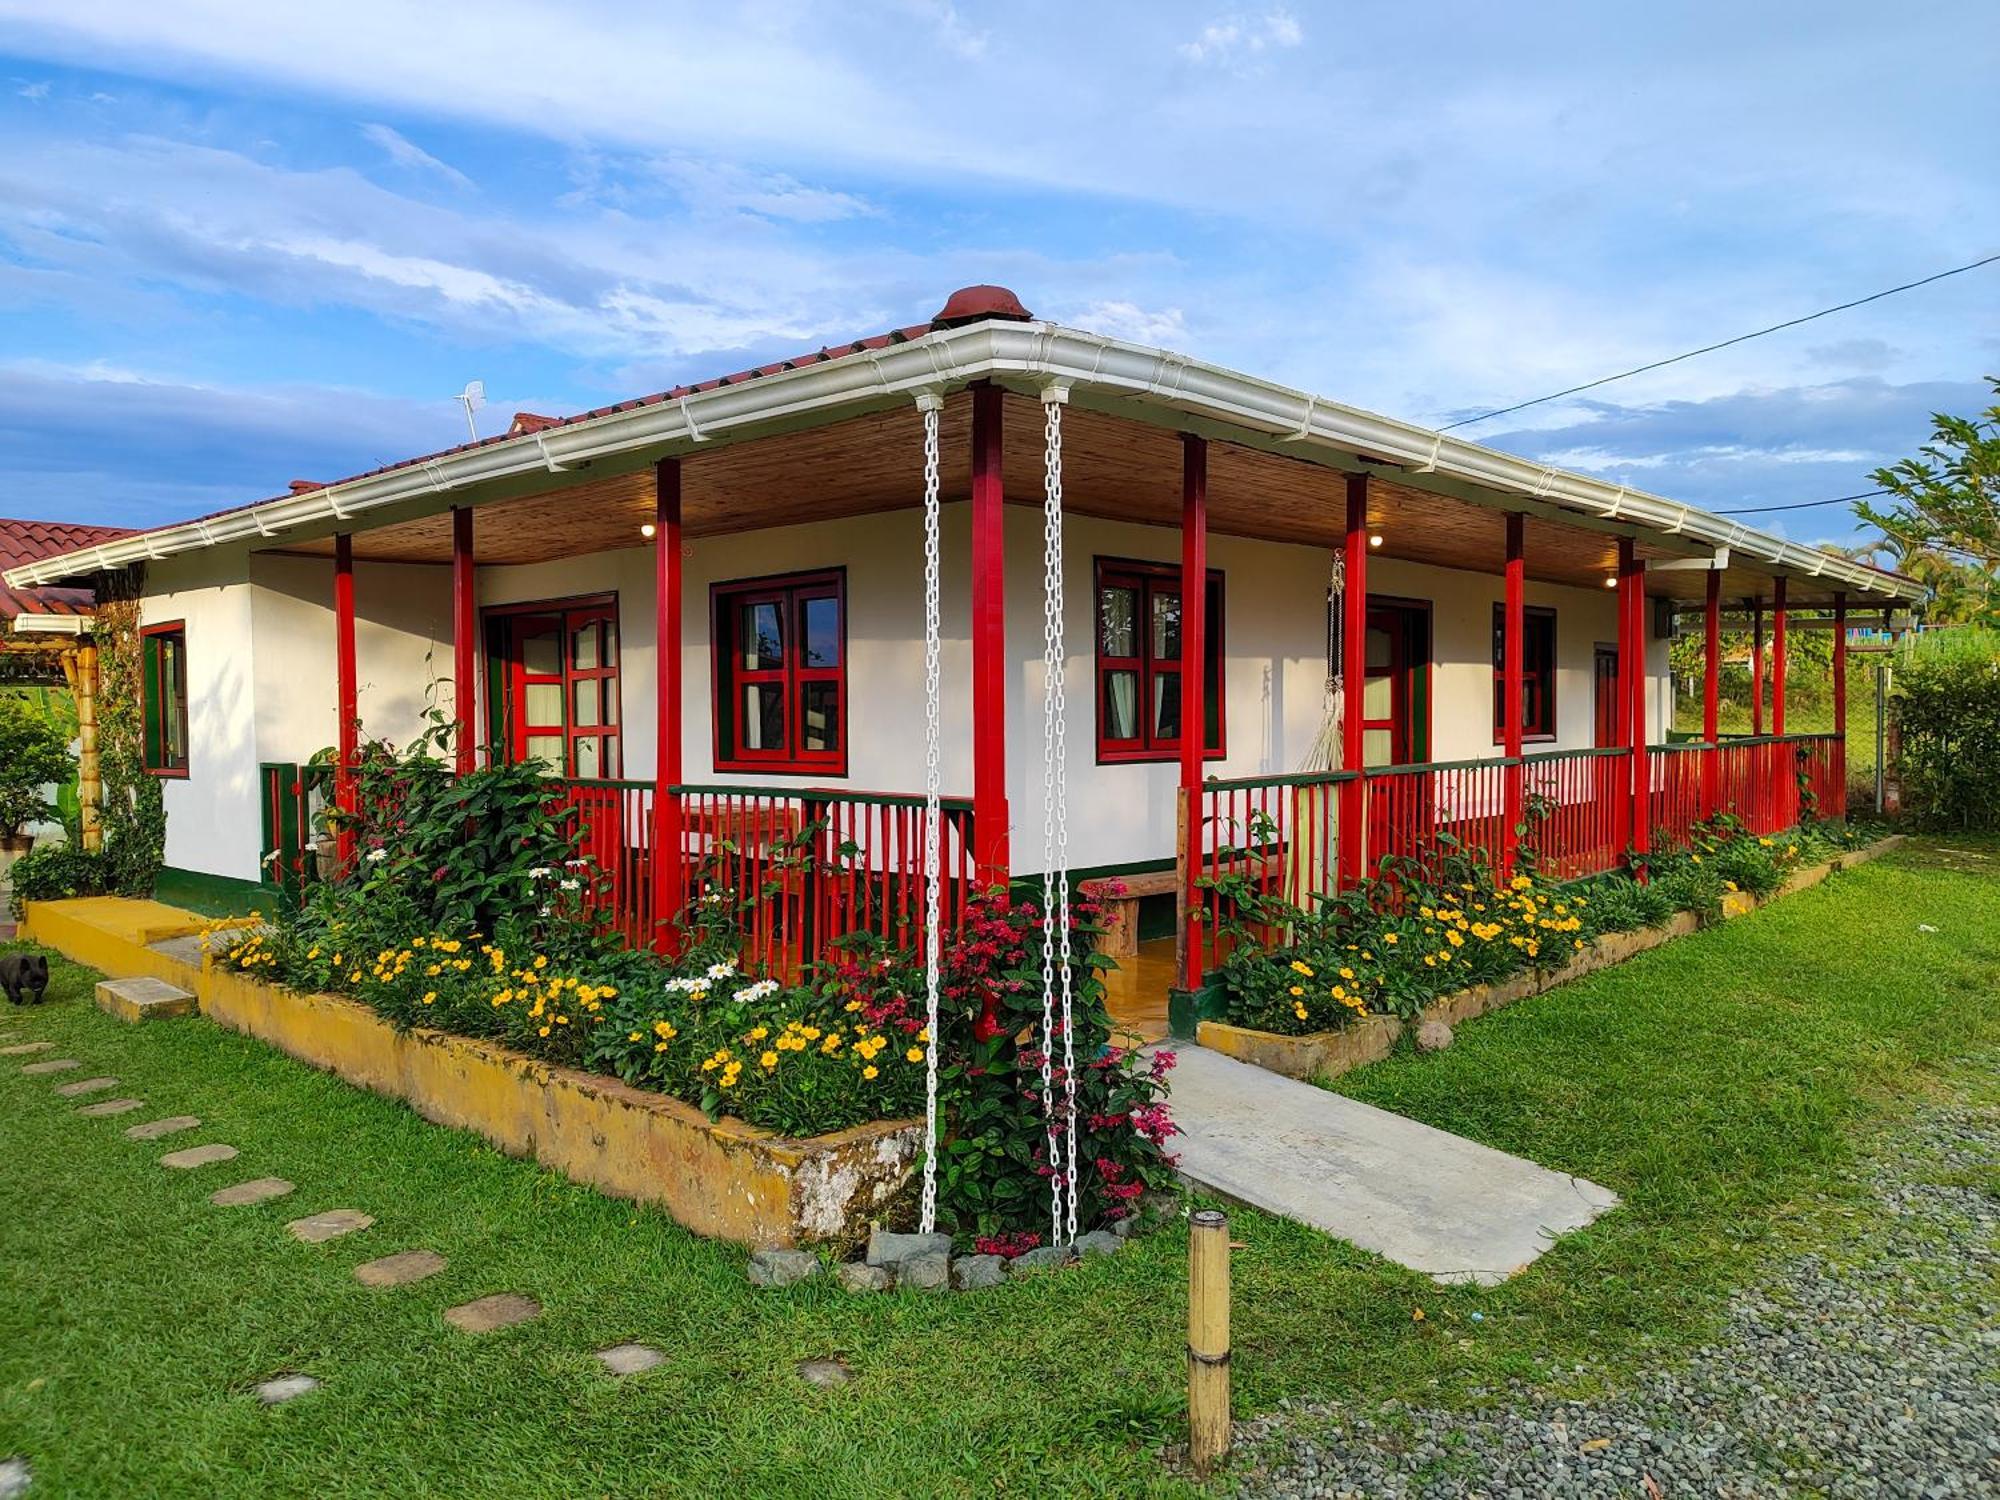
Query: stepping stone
(143, 999)
(630, 1359)
(15, 1477)
(317, 1229)
(85, 1086)
(152, 1130)
(58, 1065)
(256, 1190)
(824, 1372)
(22, 1049)
(491, 1314)
(198, 1156)
(277, 1391)
(105, 1107)
(399, 1269)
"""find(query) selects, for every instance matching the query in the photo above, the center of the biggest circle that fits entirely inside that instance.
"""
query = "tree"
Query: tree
(33, 754)
(1941, 517)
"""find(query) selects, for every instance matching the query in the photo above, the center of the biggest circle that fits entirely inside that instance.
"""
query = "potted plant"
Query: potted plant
(33, 756)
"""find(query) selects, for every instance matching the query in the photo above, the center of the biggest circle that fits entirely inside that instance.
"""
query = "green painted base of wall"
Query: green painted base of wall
(213, 895)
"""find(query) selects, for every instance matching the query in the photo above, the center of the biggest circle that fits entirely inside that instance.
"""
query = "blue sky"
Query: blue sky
(246, 243)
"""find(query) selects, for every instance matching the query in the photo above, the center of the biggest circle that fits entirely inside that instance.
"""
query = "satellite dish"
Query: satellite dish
(472, 398)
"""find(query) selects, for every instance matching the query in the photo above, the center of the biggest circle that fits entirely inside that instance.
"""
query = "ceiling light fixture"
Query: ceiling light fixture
(1375, 539)
(647, 530)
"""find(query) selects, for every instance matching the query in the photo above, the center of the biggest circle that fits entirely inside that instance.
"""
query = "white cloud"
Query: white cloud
(406, 153)
(1234, 38)
(35, 92)
(1165, 328)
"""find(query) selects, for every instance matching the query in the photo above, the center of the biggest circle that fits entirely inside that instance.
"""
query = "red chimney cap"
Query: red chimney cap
(306, 486)
(971, 304)
(528, 421)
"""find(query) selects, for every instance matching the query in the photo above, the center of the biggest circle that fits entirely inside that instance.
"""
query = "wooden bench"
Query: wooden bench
(1120, 895)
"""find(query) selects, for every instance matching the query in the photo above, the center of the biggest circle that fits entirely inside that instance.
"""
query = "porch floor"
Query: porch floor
(1435, 1202)
(1135, 993)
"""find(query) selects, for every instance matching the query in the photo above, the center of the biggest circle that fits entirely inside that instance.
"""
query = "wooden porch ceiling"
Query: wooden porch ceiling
(1113, 468)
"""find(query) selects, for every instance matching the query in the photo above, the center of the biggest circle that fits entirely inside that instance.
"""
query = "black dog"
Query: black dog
(25, 977)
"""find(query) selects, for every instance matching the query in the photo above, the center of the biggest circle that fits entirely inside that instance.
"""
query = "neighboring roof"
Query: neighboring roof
(982, 333)
(24, 542)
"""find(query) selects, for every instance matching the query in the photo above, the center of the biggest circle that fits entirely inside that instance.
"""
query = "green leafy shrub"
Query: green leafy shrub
(1947, 714)
(55, 872)
(33, 755)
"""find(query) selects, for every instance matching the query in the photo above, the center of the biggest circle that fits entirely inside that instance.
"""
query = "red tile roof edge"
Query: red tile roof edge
(24, 541)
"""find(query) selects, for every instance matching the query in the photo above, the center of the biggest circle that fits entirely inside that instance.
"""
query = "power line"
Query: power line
(1591, 385)
(1755, 510)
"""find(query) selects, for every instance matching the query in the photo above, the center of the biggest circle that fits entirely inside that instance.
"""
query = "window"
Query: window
(1138, 620)
(554, 685)
(1538, 674)
(781, 674)
(165, 694)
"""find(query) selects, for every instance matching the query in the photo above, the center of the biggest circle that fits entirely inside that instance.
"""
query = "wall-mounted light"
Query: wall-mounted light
(647, 530)
(1611, 582)
(1375, 539)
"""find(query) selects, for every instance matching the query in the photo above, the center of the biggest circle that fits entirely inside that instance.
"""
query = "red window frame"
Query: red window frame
(1538, 673)
(1150, 581)
(505, 626)
(165, 713)
(790, 593)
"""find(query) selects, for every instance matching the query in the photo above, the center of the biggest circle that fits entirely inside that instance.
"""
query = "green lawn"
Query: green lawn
(1718, 1084)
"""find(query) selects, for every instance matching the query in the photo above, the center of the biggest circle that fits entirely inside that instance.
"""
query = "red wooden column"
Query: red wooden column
(989, 644)
(1353, 679)
(346, 694)
(1711, 697)
(1756, 666)
(1778, 613)
(1839, 702)
(464, 639)
(1194, 675)
(1513, 624)
(1632, 679)
(669, 874)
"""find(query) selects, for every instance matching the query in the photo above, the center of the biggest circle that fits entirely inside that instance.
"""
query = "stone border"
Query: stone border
(1328, 1054)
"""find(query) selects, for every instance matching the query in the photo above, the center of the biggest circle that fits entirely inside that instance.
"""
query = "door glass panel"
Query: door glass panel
(1117, 610)
(1121, 705)
(541, 653)
(763, 716)
(609, 630)
(611, 700)
(1378, 698)
(821, 626)
(589, 757)
(1166, 705)
(763, 638)
(584, 648)
(611, 764)
(819, 716)
(1166, 626)
(588, 694)
(1377, 747)
(542, 703)
(1381, 649)
(546, 748)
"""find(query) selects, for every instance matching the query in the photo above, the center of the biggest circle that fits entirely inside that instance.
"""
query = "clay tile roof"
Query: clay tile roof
(30, 541)
(306, 486)
(528, 421)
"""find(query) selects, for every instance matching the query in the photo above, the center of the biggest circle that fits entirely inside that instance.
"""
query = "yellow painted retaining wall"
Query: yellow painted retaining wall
(1328, 1054)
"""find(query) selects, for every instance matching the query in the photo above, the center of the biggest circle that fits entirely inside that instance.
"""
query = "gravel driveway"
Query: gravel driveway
(1871, 1368)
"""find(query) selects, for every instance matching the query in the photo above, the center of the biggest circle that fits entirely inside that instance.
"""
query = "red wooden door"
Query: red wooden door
(1386, 697)
(1604, 697)
(562, 690)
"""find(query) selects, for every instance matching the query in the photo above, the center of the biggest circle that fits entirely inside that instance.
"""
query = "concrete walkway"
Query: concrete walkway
(1426, 1199)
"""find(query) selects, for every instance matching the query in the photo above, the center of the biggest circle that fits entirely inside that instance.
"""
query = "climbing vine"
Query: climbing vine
(135, 819)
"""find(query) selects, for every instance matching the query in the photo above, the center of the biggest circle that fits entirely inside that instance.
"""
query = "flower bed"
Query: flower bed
(1416, 947)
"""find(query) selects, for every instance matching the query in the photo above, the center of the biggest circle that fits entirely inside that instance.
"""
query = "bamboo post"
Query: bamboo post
(82, 673)
(1208, 1340)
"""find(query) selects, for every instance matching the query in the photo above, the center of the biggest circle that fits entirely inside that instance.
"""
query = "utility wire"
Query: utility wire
(1754, 510)
(1591, 385)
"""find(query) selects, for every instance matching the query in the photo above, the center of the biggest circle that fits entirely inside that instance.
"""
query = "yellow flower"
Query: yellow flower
(1346, 973)
(768, 1061)
(1298, 989)
(635, 1036)
(915, 1055)
(1391, 938)
(430, 997)
(1299, 967)
(870, 1071)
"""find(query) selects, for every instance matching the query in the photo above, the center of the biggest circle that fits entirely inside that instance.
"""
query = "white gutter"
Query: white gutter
(77, 625)
(1031, 353)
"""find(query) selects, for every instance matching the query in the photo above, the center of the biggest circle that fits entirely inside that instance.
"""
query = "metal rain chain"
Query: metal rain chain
(1056, 977)
(931, 405)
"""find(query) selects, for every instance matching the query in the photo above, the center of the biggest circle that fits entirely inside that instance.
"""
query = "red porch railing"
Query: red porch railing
(1823, 769)
(614, 827)
(1677, 783)
(1413, 810)
(1279, 834)
(1576, 810)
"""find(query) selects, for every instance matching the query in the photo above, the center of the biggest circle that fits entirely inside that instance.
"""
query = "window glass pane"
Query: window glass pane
(173, 682)
(1121, 705)
(612, 766)
(542, 703)
(546, 748)
(583, 648)
(1166, 626)
(589, 757)
(1380, 649)
(1378, 697)
(1117, 621)
(763, 725)
(541, 653)
(762, 639)
(609, 628)
(1377, 746)
(611, 700)
(1166, 705)
(820, 624)
(819, 716)
(589, 696)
